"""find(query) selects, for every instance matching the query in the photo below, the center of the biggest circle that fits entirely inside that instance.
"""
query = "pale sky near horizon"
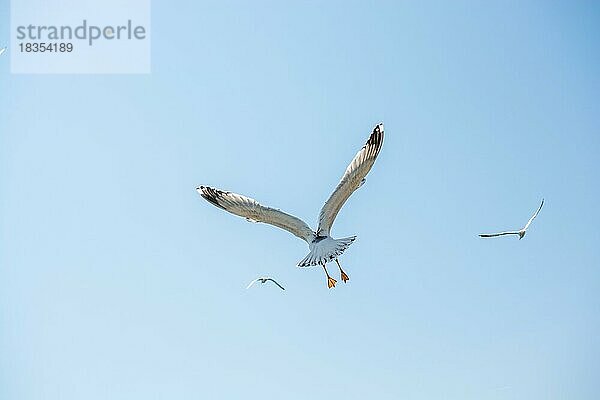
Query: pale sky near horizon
(117, 281)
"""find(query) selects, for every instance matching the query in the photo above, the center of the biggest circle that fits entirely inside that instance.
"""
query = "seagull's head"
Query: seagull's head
(521, 234)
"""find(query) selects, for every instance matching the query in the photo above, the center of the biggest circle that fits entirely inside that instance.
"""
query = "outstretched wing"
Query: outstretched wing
(2, 50)
(275, 282)
(534, 215)
(251, 210)
(353, 178)
(488, 235)
(252, 283)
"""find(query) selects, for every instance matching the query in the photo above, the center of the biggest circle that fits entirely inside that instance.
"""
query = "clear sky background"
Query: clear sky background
(117, 281)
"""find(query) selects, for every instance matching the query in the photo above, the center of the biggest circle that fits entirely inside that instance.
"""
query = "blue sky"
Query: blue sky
(118, 281)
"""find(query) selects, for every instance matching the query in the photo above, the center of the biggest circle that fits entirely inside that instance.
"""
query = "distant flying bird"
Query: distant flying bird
(263, 280)
(323, 248)
(521, 232)
(2, 50)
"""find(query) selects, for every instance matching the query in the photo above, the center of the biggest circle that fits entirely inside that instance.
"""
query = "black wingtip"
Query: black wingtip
(376, 138)
(211, 195)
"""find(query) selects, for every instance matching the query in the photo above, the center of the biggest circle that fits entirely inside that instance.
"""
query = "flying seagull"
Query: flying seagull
(263, 280)
(323, 248)
(2, 50)
(520, 232)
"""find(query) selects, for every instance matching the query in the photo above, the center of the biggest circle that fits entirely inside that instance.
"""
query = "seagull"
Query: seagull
(263, 280)
(322, 247)
(2, 50)
(520, 232)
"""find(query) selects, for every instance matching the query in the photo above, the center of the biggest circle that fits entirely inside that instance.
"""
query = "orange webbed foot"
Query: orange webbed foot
(330, 282)
(344, 276)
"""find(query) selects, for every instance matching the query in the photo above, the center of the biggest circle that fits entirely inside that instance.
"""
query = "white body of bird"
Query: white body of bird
(324, 249)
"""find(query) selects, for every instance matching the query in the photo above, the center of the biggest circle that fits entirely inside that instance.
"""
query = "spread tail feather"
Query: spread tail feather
(328, 251)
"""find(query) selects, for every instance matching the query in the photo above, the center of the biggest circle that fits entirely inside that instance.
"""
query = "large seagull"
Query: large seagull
(323, 248)
(521, 232)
